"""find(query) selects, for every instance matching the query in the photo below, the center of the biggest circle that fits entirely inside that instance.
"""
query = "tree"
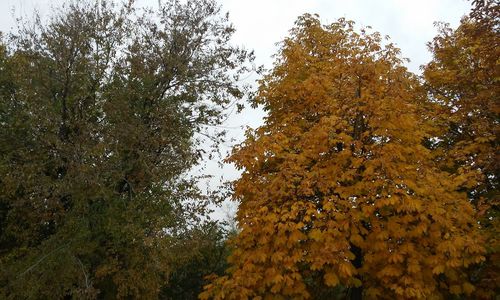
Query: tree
(208, 259)
(337, 187)
(102, 114)
(462, 80)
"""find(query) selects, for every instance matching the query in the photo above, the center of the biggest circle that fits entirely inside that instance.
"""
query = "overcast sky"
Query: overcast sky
(260, 24)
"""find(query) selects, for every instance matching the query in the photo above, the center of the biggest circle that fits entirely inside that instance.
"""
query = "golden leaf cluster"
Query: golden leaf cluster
(337, 183)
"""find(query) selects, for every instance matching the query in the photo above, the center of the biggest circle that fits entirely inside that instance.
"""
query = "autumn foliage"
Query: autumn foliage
(365, 181)
(462, 80)
(338, 188)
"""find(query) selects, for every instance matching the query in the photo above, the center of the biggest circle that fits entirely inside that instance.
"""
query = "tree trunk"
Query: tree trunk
(356, 293)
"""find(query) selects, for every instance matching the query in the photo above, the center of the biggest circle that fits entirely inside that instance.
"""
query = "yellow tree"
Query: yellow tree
(463, 83)
(337, 188)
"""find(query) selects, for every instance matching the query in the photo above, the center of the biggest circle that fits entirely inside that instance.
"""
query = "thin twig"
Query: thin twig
(84, 272)
(42, 258)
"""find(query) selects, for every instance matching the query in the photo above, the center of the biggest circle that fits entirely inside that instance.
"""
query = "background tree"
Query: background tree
(337, 187)
(209, 258)
(462, 80)
(102, 111)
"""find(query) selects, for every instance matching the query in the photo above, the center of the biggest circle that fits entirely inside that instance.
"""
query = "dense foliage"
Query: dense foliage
(102, 111)
(338, 187)
(462, 80)
(365, 180)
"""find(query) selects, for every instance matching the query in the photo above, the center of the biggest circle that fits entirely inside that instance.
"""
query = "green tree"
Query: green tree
(462, 79)
(209, 258)
(102, 112)
(337, 188)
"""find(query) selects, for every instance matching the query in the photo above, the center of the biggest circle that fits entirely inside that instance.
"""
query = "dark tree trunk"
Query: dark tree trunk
(356, 293)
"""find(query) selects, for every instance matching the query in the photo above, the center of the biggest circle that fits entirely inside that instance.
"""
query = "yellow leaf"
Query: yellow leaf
(438, 269)
(455, 289)
(331, 279)
(316, 235)
(356, 282)
(357, 240)
(468, 288)
(345, 269)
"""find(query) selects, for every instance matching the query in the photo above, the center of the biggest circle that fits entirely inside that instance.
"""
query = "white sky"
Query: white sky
(260, 24)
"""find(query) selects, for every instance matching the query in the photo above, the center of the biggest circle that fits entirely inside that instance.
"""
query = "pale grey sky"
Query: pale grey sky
(260, 24)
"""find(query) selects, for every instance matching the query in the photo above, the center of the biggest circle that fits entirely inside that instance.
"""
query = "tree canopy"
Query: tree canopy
(337, 185)
(462, 80)
(102, 111)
